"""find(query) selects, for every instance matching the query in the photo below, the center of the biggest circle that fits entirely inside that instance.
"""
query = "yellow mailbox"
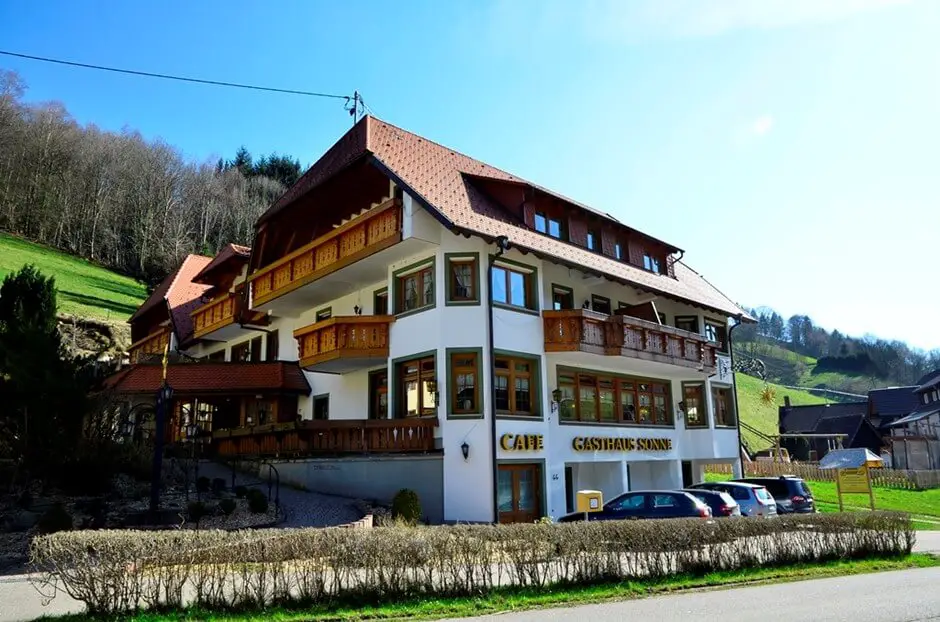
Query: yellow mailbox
(590, 501)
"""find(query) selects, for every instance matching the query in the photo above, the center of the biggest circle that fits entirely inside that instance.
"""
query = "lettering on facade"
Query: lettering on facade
(597, 443)
(522, 442)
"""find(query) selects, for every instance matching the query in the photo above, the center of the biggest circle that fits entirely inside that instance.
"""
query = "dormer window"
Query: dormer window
(550, 226)
(541, 223)
(650, 263)
(618, 251)
(592, 240)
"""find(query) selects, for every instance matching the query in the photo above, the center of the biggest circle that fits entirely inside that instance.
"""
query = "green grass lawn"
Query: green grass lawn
(754, 411)
(84, 289)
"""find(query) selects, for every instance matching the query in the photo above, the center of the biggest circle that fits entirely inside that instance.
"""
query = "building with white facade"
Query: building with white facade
(462, 332)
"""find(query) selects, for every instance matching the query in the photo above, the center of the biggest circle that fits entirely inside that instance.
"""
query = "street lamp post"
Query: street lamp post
(164, 395)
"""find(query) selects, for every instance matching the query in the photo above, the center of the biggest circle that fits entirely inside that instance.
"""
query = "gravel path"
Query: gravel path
(301, 508)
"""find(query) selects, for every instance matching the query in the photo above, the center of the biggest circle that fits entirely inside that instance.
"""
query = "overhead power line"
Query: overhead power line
(177, 78)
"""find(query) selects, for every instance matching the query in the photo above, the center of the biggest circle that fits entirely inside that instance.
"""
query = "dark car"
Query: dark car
(647, 504)
(792, 494)
(720, 503)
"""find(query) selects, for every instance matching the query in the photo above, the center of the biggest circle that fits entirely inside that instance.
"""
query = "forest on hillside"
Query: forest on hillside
(796, 351)
(117, 199)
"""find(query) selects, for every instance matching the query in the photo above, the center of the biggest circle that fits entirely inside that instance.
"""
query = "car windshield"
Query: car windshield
(739, 492)
(762, 494)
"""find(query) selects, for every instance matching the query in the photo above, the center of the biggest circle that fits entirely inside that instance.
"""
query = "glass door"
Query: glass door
(519, 493)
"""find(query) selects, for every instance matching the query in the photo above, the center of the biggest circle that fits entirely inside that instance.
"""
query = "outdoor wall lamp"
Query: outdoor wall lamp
(556, 395)
(249, 419)
(465, 450)
(432, 389)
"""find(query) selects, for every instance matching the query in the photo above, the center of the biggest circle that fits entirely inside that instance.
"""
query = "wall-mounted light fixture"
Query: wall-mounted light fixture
(432, 389)
(357, 310)
(586, 304)
(556, 395)
(465, 450)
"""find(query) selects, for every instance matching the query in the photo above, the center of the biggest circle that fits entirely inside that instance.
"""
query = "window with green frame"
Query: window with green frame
(602, 398)
(515, 380)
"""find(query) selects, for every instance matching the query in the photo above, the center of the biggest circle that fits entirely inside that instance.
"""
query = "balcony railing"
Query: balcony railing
(344, 343)
(328, 437)
(581, 330)
(221, 312)
(153, 344)
(376, 230)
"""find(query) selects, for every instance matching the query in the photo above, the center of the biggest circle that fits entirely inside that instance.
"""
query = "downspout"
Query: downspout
(502, 245)
(734, 388)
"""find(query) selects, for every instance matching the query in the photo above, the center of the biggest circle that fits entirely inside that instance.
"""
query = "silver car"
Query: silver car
(753, 499)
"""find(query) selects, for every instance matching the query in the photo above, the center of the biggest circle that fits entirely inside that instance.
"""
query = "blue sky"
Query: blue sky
(789, 146)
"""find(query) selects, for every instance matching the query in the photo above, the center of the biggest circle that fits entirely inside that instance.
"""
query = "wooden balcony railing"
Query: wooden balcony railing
(344, 337)
(582, 330)
(153, 344)
(328, 437)
(376, 230)
(224, 311)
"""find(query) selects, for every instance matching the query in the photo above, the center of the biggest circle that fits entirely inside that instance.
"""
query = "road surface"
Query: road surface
(903, 596)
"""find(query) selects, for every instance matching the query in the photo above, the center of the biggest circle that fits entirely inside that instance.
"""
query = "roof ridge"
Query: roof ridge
(715, 287)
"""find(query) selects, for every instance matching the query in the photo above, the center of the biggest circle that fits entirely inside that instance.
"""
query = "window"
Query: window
(693, 397)
(593, 240)
(662, 318)
(687, 323)
(324, 314)
(618, 250)
(512, 287)
(464, 386)
(378, 394)
(240, 352)
(321, 407)
(562, 298)
(555, 229)
(717, 333)
(260, 411)
(514, 380)
(380, 302)
(600, 304)
(271, 346)
(607, 399)
(417, 386)
(416, 290)
(219, 356)
(628, 502)
(664, 501)
(541, 223)
(256, 349)
(651, 263)
(463, 279)
(724, 406)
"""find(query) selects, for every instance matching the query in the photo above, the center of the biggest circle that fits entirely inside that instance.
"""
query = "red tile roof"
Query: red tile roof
(180, 295)
(206, 377)
(229, 253)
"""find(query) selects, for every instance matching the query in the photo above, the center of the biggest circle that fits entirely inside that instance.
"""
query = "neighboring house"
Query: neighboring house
(848, 419)
(409, 317)
(889, 404)
(915, 438)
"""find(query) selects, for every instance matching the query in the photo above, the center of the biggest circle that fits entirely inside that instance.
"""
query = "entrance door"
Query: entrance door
(569, 489)
(378, 395)
(687, 477)
(520, 493)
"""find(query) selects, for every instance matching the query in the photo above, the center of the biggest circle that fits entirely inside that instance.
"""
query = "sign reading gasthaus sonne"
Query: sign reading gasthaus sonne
(597, 443)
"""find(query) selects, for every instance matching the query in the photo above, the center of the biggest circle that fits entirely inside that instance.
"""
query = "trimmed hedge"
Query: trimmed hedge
(118, 571)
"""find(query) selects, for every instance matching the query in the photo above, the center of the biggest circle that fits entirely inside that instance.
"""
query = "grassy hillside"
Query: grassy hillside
(754, 411)
(84, 289)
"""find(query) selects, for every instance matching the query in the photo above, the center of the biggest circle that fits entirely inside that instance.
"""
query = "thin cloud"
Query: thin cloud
(762, 125)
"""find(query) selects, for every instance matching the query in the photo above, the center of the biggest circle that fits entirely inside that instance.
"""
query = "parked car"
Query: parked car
(754, 500)
(641, 504)
(720, 503)
(791, 493)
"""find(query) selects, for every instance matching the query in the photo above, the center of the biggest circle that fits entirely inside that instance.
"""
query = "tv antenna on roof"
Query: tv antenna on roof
(355, 107)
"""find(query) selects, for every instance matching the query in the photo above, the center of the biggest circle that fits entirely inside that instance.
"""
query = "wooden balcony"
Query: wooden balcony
(221, 318)
(304, 438)
(344, 343)
(581, 330)
(377, 229)
(153, 345)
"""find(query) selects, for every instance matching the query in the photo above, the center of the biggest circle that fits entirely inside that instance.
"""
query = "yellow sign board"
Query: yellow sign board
(522, 442)
(854, 481)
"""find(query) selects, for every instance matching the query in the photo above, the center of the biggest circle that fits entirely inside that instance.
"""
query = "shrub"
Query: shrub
(240, 492)
(218, 485)
(203, 484)
(257, 501)
(196, 511)
(113, 571)
(227, 506)
(406, 506)
(54, 519)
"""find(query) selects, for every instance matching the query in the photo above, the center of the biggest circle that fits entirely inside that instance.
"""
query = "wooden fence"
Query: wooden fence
(882, 478)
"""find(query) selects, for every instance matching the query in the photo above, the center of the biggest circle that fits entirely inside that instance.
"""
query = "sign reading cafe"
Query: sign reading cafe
(596, 443)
